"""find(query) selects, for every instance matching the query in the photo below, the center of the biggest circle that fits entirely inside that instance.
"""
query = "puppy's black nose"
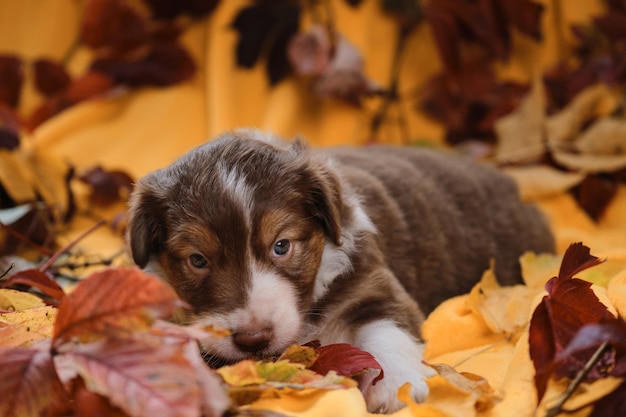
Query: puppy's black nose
(252, 341)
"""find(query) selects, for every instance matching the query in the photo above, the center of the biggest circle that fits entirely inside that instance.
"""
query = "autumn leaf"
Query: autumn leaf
(346, 360)
(161, 64)
(24, 328)
(143, 376)
(84, 87)
(112, 24)
(107, 186)
(28, 382)
(167, 9)
(37, 279)
(452, 391)
(50, 77)
(504, 309)
(569, 305)
(14, 300)
(11, 79)
(265, 29)
(113, 300)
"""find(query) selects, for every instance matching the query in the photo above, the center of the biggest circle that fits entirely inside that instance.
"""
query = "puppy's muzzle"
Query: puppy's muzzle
(253, 341)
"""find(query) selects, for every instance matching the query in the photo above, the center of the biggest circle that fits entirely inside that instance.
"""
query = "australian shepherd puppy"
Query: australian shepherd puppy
(285, 244)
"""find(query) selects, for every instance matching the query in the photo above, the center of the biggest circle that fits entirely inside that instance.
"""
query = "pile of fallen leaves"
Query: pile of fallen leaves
(106, 347)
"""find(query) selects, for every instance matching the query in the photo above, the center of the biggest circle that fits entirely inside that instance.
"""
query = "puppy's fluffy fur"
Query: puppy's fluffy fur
(281, 244)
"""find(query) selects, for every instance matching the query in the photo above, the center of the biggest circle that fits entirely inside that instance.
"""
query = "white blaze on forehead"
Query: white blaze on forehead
(271, 303)
(235, 184)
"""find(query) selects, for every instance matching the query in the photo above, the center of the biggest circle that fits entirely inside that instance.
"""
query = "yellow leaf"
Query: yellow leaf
(453, 316)
(50, 177)
(479, 393)
(24, 327)
(13, 300)
(617, 293)
(16, 177)
(505, 310)
(299, 354)
(537, 269)
(241, 374)
(417, 409)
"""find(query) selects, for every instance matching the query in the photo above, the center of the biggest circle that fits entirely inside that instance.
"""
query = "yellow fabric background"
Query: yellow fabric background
(145, 129)
(148, 128)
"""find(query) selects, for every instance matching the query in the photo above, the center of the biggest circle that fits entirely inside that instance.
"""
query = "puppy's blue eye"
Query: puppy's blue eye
(282, 247)
(198, 261)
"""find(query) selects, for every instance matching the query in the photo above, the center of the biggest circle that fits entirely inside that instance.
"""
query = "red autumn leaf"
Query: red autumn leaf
(37, 279)
(612, 25)
(469, 103)
(112, 24)
(484, 23)
(82, 88)
(569, 305)
(591, 336)
(346, 360)
(143, 376)
(524, 15)
(9, 127)
(11, 79)
(107, 187)
(50, 77)
(113, 300)
(167, 9)
(266, 28)
(28, 382)
(595, 193)
(164, 64)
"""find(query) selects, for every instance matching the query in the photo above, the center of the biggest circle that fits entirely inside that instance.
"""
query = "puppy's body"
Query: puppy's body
(282, 244)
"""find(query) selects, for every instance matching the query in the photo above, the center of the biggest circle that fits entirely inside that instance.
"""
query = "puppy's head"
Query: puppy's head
(238, 227)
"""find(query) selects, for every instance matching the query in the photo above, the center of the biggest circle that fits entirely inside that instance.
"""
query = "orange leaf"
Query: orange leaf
(113, 300)
(144, 376)
(28, 382)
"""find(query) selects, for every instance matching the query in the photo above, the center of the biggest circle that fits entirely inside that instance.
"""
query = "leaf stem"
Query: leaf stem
(558, 407)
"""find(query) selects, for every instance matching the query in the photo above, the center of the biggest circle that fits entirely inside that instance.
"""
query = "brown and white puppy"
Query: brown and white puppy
(283, 244)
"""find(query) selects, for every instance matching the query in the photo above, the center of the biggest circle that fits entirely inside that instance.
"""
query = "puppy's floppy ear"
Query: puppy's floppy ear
(146, 230)
(324, 190)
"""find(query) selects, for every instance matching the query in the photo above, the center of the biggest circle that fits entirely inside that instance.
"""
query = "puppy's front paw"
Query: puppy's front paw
(383, 396)
(400, 356)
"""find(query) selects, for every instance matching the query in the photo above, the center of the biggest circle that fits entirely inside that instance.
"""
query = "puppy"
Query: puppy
(284, 244)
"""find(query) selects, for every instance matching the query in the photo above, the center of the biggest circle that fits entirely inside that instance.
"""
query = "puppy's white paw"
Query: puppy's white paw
(401, 359)
(383, 396)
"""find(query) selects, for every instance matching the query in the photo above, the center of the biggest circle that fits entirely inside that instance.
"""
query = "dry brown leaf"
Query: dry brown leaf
(565, 125)
(535, 181)
(590, 163)
(521, 133)
(606, 136)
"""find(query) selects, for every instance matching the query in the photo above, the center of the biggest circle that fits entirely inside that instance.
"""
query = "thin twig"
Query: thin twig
(69, 246)
(44, 251)
(7, 271)
(381, 115)
(558, 407)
